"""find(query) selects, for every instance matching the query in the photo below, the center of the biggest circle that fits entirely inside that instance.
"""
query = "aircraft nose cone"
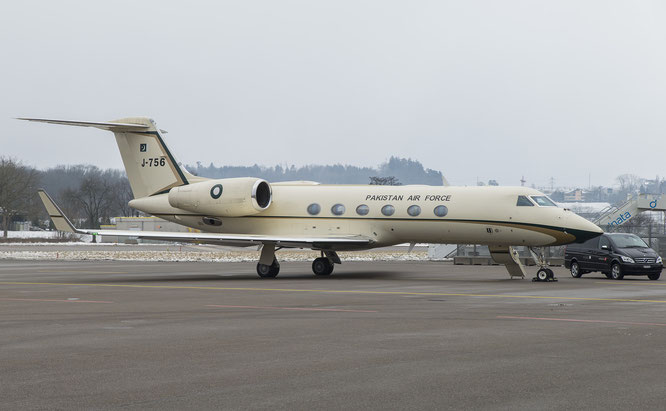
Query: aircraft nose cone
(582, 229)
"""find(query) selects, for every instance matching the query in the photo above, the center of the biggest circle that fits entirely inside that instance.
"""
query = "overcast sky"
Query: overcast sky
(476, 89)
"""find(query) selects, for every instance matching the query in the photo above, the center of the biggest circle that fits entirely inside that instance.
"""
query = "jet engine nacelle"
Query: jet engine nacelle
(226, 197)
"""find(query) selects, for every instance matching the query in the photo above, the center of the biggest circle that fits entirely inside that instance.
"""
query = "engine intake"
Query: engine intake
(226, 197)
(262, 194)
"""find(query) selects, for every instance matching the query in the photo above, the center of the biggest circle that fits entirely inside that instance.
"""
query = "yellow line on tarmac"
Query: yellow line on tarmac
(82, 272)
(643, 283)
(541, 297)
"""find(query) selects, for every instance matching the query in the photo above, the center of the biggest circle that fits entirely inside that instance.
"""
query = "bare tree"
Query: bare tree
(17, 187)
(628, 182)
(93, 196)
(122, 194)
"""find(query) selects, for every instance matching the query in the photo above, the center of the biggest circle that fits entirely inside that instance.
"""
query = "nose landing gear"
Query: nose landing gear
(544, 273)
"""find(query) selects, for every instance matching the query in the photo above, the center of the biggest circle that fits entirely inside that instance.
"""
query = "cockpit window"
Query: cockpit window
(524, 202)
(544, 201)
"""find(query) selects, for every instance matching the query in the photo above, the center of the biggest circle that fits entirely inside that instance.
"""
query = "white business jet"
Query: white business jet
(329, 218)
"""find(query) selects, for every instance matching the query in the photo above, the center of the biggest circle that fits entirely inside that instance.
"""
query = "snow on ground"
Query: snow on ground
(206, 256)
(585, 207)
(47, 235)
(32, 234)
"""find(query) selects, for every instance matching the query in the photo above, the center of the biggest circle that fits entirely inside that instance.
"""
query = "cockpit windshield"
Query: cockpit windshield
(543, 201)
(524, 202)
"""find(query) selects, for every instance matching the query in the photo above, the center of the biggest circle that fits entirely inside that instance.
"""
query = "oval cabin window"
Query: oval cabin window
(338, 209)
(362, 209)
(441, 211)
(414, 210)
(388, 210)
(314, 209)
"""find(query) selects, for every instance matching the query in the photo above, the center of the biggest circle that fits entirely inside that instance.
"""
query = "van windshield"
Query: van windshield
(628, 241)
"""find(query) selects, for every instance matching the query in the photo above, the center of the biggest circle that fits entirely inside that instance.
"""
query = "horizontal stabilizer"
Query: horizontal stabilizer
(110, 126)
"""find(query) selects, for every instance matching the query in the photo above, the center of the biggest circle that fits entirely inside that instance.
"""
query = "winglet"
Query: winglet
(60, 221)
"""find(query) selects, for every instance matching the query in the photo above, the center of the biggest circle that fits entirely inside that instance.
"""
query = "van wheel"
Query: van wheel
(616, 272)
(575, 270)
(654, 277)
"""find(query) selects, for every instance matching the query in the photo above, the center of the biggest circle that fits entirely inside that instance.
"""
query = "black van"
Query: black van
(614, 254)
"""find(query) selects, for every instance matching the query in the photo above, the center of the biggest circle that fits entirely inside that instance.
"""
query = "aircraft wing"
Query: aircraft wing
(62, 223)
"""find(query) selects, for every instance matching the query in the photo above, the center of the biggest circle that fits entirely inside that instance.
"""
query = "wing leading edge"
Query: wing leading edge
(62, 223)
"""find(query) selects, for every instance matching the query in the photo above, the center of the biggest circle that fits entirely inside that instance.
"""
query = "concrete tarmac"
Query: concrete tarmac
(380, 335)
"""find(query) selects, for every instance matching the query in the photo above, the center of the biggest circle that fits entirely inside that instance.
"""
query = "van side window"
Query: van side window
(591, 243)
(603, 241)
(524, 202)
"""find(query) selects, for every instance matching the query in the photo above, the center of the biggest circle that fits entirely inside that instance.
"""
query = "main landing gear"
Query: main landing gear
(268, 271)
(268, 266)
(321, 266)
(544, 273)
(324, 264)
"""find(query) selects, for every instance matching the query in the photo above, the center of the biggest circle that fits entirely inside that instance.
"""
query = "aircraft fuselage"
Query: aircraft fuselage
(443, 214)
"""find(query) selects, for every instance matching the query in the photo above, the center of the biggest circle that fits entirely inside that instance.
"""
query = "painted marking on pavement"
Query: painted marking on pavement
(291, 308)
(361, 292)
(648, 283)
(55, 301)
(572, 320)
(82, 272)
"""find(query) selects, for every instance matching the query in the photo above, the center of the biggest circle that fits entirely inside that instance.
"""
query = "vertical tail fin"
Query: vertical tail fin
(150, 166)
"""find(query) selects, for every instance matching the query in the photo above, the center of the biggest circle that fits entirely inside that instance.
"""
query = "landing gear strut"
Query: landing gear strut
(268, 266)
(544, 273)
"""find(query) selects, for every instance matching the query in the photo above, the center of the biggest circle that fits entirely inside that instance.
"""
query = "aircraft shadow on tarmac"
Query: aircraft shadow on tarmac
(342, 276)
(225, 277)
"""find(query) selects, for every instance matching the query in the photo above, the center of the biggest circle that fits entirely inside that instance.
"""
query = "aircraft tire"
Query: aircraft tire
(542, 274)
(268, 271)
(322, 266)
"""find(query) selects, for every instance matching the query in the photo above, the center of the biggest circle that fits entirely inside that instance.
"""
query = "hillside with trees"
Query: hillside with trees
(406, 171)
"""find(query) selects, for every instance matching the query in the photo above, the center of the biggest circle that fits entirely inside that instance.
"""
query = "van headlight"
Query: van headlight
(627, 259)
(658, 260)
